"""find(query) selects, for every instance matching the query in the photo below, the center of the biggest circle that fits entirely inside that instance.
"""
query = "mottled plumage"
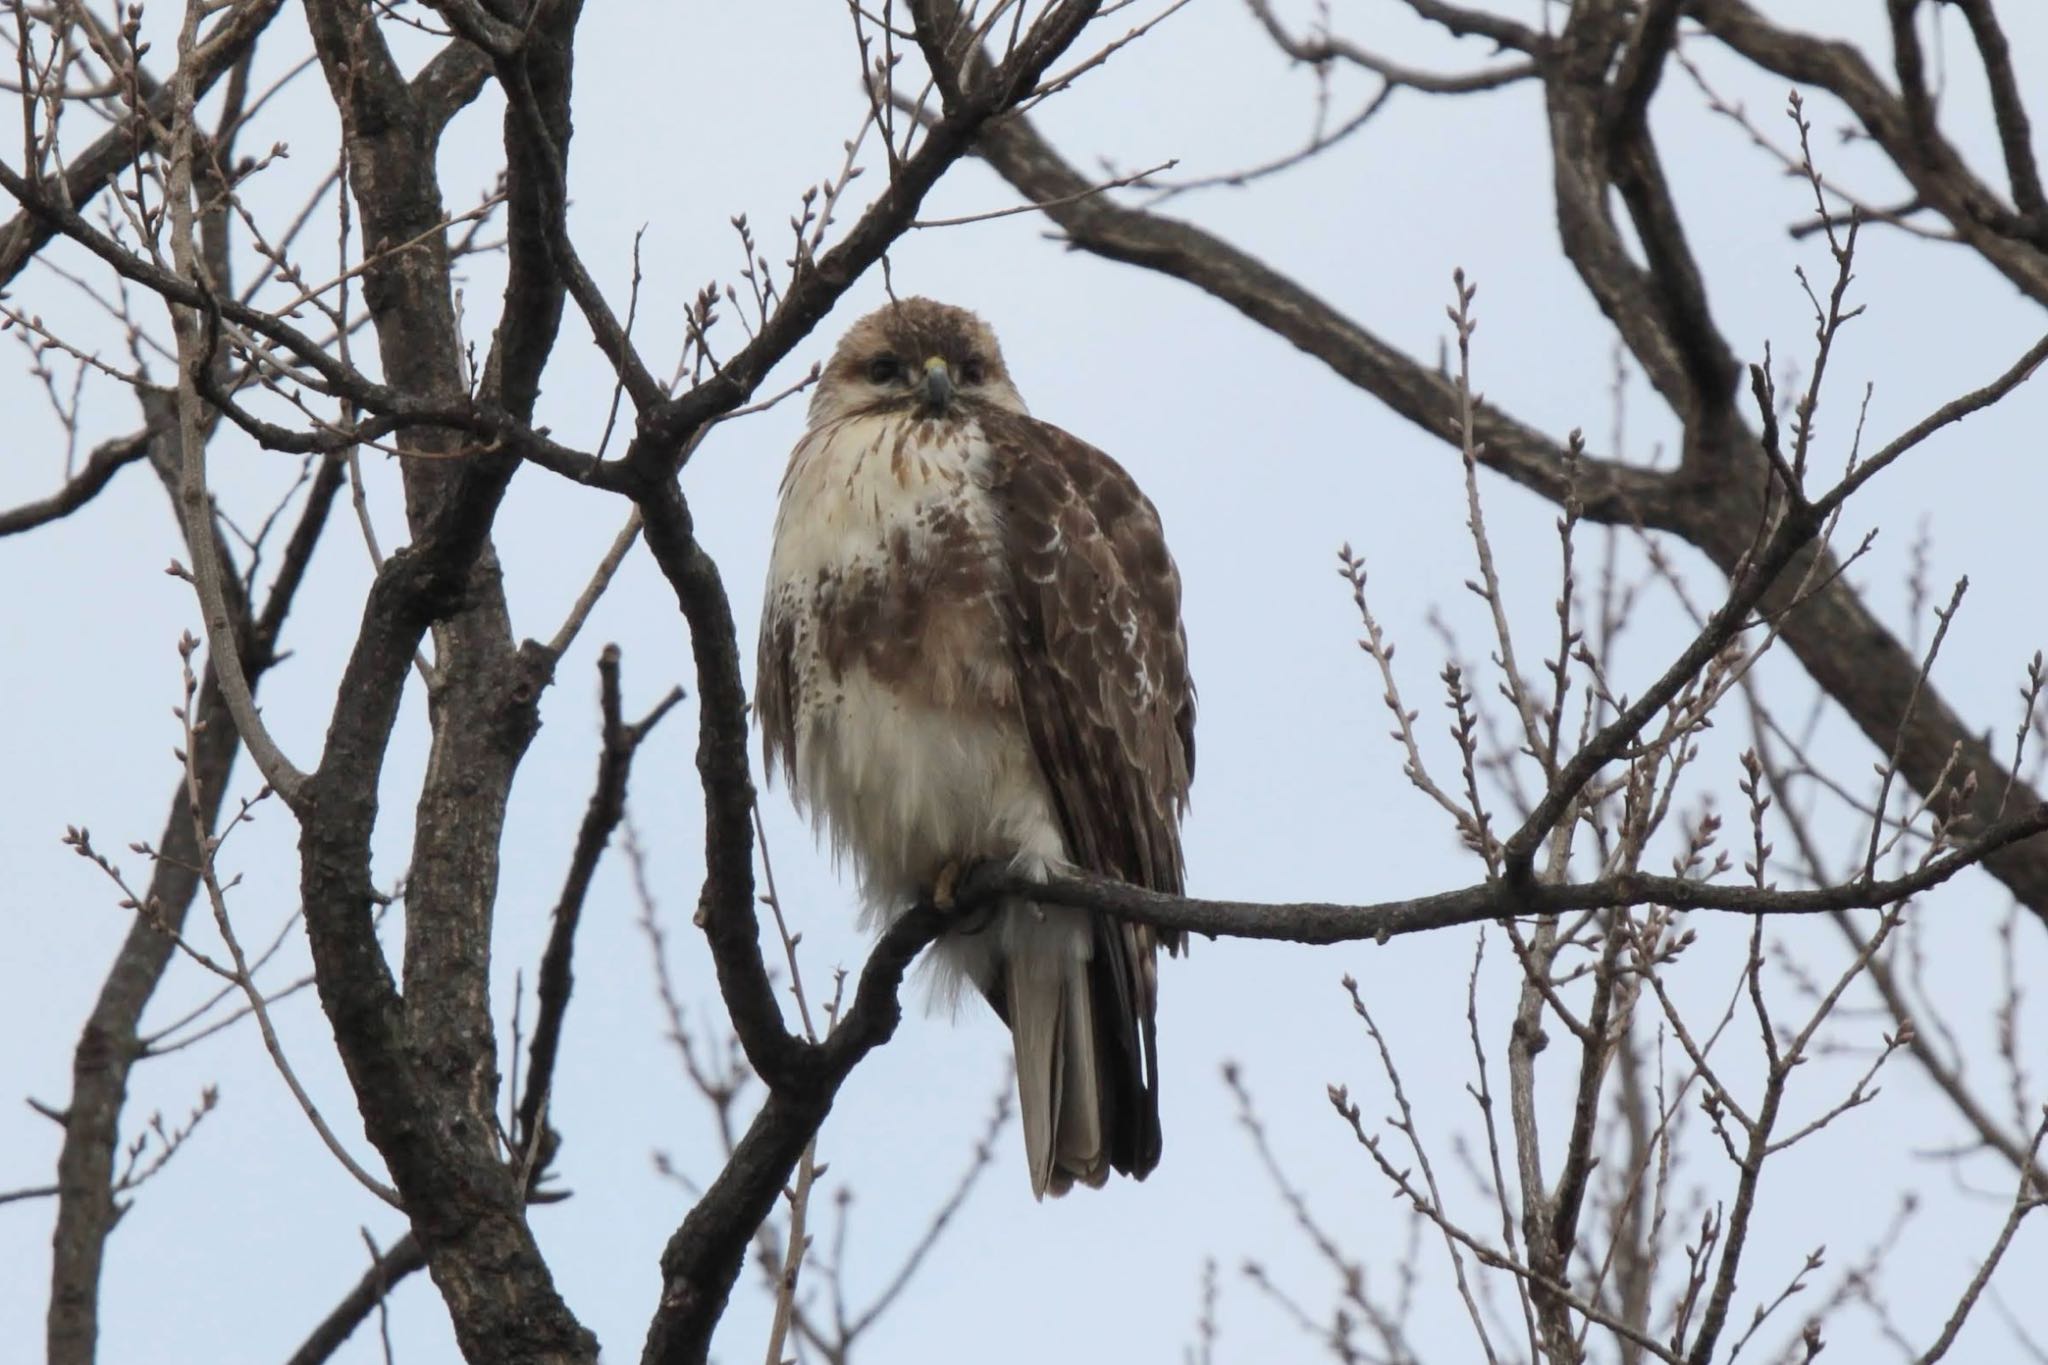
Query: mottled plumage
(971, 648)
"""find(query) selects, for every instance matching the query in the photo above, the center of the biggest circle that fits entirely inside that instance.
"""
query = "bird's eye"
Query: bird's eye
(884, 369)
(974, 370)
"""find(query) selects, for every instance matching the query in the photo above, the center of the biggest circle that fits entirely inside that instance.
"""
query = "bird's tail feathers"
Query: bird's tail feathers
(1084, 1110)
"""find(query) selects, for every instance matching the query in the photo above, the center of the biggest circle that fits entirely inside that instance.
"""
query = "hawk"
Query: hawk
(972, 649)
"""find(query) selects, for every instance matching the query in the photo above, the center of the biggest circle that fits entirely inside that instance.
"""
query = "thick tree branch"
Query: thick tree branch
(621, 742)
(1642, 65)
(1600, 143)
(423, 1065)
(446, 85)
(725, 907)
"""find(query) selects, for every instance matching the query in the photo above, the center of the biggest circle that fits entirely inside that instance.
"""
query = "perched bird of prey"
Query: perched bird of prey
(972, 649)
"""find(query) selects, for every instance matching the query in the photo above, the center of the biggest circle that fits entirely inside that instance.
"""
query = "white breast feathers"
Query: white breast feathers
(885, 590)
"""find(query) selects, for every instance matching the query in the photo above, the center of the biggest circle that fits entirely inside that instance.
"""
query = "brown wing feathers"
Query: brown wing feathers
(1103, 679)
(1099, 647)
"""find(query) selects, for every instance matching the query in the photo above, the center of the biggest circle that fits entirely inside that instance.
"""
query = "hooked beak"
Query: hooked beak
(938, 384)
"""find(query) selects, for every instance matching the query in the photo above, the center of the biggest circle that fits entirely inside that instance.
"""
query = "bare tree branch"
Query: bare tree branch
(1319, 922)
(106, 460)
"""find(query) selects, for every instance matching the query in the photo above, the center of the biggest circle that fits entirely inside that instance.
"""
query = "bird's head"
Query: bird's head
(916, 357)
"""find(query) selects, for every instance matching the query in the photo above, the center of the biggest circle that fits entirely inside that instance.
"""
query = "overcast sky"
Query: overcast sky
(1262, 463)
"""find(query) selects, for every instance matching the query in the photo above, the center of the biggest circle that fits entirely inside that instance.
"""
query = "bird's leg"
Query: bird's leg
(954, 875)
(947, 883)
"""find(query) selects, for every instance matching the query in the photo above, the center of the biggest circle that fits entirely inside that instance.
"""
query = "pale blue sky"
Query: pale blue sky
(1262, 464)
